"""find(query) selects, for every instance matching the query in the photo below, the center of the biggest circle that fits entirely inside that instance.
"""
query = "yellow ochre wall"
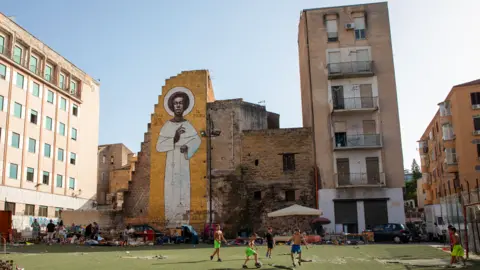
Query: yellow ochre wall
(198, 82)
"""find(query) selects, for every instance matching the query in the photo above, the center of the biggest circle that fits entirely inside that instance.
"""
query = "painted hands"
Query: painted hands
(180, 130)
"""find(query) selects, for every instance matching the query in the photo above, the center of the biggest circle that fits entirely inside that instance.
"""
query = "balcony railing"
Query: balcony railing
(360, 179)
(350, 69)
(355, 103)
(343, 141)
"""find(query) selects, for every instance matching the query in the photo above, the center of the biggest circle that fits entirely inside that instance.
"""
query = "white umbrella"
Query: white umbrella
(296, 210)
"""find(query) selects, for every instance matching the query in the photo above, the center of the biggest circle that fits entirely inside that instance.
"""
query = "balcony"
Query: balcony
(451, 162)
(354, 104)
(360, 141)
(346, 180)
(350, 69)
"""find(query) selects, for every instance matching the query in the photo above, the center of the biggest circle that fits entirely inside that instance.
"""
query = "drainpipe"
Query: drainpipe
(312, 112)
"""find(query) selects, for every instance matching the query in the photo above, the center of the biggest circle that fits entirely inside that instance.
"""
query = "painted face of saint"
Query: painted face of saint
(178, 106)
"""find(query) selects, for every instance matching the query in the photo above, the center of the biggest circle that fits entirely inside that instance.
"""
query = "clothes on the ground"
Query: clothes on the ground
(457, 251)
(250, 252)
(216, 244)
(296, 249)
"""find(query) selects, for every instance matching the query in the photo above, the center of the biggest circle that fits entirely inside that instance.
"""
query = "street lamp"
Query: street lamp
(209, 133)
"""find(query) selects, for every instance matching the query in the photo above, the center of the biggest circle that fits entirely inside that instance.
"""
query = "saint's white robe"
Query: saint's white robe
(177, 169)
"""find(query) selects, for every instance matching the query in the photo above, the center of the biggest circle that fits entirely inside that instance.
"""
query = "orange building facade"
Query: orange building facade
(450, 146)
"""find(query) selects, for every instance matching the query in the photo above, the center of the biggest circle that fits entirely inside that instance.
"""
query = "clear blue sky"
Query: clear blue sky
(249, 46)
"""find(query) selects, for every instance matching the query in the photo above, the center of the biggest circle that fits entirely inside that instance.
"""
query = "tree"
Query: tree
(411, 186)
(416, 170)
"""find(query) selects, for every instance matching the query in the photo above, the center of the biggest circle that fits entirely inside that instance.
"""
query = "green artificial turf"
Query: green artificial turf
(72, 257)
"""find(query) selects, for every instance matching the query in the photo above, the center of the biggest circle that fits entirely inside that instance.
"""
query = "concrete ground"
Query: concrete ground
(367, 257)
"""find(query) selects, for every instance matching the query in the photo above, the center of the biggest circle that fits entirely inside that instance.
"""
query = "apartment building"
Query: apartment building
(49, 117)
(349, 99)
(450, 146)
(114, 160)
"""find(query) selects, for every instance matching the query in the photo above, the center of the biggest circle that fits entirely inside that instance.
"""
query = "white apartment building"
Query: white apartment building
(49, 118)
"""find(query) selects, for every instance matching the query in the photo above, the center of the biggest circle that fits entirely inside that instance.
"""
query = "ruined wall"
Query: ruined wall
(261, 172)
(137, 196)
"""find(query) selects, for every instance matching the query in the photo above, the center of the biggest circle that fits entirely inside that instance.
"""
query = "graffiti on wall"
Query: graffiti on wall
(180, 141)
(178, 168)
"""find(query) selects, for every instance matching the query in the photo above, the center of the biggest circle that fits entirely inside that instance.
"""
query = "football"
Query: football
(258, 265)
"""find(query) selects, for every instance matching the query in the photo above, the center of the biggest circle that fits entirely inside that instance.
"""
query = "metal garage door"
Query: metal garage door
(376, 213)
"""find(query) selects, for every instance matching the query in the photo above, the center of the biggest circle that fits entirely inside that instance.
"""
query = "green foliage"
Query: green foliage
(411, 186)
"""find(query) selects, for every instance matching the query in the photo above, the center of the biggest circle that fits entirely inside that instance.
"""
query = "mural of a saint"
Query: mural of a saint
(179, 139)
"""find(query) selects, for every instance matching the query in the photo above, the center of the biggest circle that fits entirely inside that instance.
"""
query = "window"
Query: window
(46, 178)
(58, 211)
(60, 154)
(475, 98)
(13, 171)
(111, 160)
(48, 73)
(29, 210)
(71, 183)
(257, 195)
(476, 123)
(63, 104)
(288, 162)
(47, 149)
(50, 96)
(360, 28)
(290, 195)
(2, 44)
(17, 55)
(10, 206)
(42, 211)
(59, 181)
(62, 81)
(75, 110)
(332, 30)
(30, 174)
(20, 80)
(74, 134)
(33, 117)
(1, 103)
(32, 145)
(17, 110)
(478, 151)
(73, 87)
(73, 158)
(61, 129)
(3, 71)
(36, 89)
(103, 159)
(33, 64)
(15, 140)
(48, 123)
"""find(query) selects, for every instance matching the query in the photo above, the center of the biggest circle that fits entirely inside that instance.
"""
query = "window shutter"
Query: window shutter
(359, 23)
(332, 26)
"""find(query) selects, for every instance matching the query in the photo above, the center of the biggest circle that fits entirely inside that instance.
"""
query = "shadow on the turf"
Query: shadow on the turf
(231, 260)
(42, 248)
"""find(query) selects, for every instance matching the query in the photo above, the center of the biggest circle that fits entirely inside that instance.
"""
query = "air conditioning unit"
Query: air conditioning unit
(476, 106)
(349, 26)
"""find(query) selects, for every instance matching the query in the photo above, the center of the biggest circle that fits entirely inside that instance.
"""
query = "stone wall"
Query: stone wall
(258, 185)
(137, 196)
